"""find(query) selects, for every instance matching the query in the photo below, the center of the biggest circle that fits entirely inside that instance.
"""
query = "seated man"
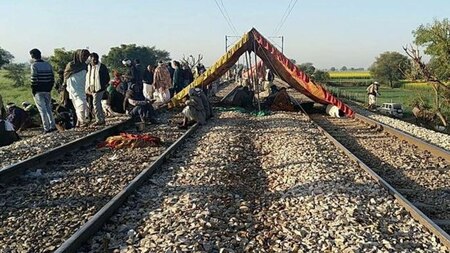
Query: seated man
(115, 99)
(7, 133)
(195, 110)
(281, 101)
(33, 112)
(138, 108)
(242, 97)
(63, 117)
(205, 101)
(18, 117)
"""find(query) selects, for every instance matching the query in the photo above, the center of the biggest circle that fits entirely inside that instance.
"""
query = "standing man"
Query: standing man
(75, 79)
(97, 79)
(178, 79)
(162, 82)
(148, 82)
(2, 108)
(132, 77)
(372, 92)
(42, 80)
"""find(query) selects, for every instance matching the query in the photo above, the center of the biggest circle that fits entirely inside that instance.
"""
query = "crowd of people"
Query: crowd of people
(88, 94)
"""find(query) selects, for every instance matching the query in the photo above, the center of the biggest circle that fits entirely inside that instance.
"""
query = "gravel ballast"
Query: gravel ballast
(261, 184)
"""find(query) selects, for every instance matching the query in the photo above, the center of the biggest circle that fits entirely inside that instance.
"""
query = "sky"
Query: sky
(327, 33)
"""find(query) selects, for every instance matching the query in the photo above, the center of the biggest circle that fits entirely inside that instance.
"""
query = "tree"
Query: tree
(321, 76)
(315, 74)
(191, 62)
(441, 90)
(5, 57)
(17, 73)
(435, 38)
(390, 67)
(332, 69)
(344, 68)
(307, 68)
(147, 55)
(60, 58)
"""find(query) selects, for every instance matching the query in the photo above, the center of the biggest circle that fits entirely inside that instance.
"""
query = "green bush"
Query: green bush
(17, 73)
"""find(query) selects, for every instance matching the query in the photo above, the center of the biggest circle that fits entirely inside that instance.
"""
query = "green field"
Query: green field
(397, 95)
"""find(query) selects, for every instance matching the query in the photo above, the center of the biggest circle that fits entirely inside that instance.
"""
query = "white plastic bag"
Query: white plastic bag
(148, 91)
(165, 95)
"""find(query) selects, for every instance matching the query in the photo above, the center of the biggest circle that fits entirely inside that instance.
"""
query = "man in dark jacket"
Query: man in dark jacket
(42, 80)
(148, 82)
(132, 77)
(97, 79)
(178, 79)
(2, 108)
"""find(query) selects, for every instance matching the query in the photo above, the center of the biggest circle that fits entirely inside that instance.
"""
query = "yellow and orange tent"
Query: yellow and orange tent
(253, 41)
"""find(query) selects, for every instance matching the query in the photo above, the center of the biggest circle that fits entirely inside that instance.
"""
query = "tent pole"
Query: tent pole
(246, 59)
(256, 77)
(250, 72)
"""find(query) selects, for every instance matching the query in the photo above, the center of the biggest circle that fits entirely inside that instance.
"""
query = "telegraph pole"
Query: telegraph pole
(226, 40)
(282, 41)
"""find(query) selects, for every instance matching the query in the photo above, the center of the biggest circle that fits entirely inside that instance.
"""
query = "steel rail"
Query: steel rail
(433, 149)
(96, 222)
(14, 170)
(413, 210)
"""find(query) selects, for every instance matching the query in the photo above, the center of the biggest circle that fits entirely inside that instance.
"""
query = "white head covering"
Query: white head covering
(126, 62)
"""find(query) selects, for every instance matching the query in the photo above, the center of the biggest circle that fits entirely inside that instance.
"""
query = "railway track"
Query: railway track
(419, 174)
(416, 172)
(38, 144)
(45, 204)
(268, 184)
(49, 197)
(242, 183)
(260, 184)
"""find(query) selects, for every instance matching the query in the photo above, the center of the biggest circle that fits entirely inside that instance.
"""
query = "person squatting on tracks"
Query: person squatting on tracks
(139, 108)
(116, 95)
(18, 117)
(97, 79)
(75, 79)
(197, 108)
(42, 81)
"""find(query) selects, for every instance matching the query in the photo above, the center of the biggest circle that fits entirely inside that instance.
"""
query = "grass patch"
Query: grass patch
(14, 94)
(388, 95)
(416, 85)
(17, 95)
